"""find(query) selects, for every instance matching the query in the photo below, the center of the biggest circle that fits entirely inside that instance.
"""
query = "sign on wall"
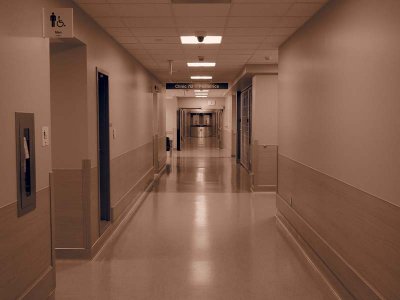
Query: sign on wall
(190, 86)
(58, 23)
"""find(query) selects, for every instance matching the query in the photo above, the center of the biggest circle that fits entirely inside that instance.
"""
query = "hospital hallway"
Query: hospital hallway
(199, 234)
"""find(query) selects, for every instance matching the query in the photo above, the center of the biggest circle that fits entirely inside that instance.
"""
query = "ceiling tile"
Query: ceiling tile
(275, 39)
(240, 46)
(137, 1)
(236, 51)
(91, 1)
(165, 51)
(149, 22)
(255, 31)
(159, 32)
(260, 10)
(162, 46)
(201, 22)
(292, 21)
(98, 10)
(242, 39)
(200, 10)
(109, 22)
(283, 31)
(159, 39)
(189, 47)
(126, 39)
(132, 46)
(207, 30)
(265, 1)
(236, 58)
(242, 22)
(141, 10)
(117, 32)
(304, 9)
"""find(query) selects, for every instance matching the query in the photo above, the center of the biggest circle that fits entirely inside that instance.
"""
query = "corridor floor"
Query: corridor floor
(200, 234)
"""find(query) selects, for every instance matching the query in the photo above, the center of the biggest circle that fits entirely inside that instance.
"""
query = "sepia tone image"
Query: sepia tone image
(200, 149)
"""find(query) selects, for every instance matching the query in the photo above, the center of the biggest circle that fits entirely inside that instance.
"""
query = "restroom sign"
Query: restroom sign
(58, 23)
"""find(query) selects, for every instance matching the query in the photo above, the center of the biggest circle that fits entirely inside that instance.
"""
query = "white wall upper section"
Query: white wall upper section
(339, 95)
(131, 98)
(265, 109)
(201, 103)
(24, 57)
(24, 87)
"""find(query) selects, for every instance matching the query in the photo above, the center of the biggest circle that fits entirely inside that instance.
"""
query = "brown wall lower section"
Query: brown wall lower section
(354, 233)
(69, 213)
(25, 251)
(162, 153)
(77, 203)
(264, 164)
(128, 168)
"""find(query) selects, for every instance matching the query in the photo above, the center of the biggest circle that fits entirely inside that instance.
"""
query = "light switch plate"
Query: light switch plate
(45, 136)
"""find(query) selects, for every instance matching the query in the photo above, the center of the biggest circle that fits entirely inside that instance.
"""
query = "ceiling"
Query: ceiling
(252, 31)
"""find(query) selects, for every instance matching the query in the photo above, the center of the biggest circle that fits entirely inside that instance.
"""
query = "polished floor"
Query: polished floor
(200, 234)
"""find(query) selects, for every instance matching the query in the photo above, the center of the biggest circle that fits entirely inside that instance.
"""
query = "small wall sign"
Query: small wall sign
(58, 23)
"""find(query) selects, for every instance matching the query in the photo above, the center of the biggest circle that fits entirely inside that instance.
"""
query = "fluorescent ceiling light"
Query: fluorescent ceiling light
(200, 77)
(201, 64)
(201, 91)
(201, 96)
(209, 39)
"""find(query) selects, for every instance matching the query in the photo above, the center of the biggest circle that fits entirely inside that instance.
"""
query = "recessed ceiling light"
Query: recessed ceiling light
(209, 39)
(201, 64)
(201, 96)
(200, 77)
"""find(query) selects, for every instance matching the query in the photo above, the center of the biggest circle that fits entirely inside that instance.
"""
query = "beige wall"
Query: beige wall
(68, 73)
(24, 87)
(339, 123)
(338, 86)
(25, 58)
(265, 109)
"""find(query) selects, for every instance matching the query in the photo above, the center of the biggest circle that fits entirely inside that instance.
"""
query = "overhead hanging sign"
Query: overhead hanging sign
(58, 23)
(192, 86)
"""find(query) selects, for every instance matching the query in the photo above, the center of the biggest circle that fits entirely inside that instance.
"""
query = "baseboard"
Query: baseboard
(161, 172)
(133, 193)
(337, 273)
(263, 188)
(108, 236)
(128, 204)
(43, 287)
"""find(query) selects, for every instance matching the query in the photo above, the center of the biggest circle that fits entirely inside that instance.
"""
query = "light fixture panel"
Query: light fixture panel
(209, 39)
(200, 77)
(201, 64)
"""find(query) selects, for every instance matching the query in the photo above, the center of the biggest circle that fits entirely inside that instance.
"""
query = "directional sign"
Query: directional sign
(191, 86)
(58, 22)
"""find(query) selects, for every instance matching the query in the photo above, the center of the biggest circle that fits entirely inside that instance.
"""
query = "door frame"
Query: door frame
(105, 221)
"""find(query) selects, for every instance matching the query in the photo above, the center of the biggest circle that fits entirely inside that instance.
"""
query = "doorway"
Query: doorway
(245, 108)
(103, 148)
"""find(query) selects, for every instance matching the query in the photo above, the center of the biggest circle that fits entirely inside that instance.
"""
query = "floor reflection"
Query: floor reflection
(200, 234)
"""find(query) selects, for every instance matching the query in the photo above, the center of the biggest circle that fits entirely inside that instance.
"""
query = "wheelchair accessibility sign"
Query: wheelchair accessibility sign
(58, 23)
